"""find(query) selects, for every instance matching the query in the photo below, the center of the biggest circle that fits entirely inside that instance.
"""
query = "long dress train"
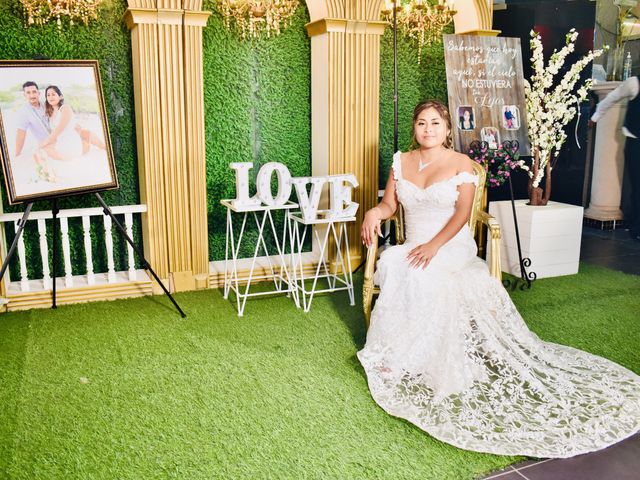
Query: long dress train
(448, 351)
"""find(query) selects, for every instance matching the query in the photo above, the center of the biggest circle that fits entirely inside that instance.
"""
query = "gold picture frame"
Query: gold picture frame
(54, 132)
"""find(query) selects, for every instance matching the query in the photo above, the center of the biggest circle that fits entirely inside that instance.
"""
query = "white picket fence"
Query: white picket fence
(25, 284)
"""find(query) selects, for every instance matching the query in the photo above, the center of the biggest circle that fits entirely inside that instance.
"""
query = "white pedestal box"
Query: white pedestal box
(550, 236)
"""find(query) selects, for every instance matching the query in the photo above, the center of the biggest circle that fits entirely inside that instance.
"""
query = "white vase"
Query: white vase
(550, 237)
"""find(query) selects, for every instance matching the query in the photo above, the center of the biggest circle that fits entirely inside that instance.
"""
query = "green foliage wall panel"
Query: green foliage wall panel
(416, 82)
(108, 41)
(257, 96)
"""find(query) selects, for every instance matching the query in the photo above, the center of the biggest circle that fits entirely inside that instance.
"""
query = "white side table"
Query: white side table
(338, 276)
(279, 272)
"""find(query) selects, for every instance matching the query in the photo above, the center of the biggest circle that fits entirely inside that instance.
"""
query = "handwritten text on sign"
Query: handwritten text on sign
(486, 90)
(340, 204)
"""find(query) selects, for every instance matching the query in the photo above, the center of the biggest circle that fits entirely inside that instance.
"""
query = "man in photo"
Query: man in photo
(508, 118)
(31, 118)
(490, 135)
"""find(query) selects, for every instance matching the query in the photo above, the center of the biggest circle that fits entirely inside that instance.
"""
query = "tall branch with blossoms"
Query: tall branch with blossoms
(550, 107)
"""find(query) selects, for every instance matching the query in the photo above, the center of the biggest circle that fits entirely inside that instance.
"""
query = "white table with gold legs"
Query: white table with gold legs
(276, 269)
(337, 273)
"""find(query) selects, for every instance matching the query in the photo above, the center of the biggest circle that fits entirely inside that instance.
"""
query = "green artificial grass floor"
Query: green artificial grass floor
(129, 390)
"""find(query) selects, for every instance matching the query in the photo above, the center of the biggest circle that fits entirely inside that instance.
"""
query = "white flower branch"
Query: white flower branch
(550, 108)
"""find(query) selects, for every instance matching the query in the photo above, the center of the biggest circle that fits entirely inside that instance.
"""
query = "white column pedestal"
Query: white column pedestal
(608, 160)
(550, 236)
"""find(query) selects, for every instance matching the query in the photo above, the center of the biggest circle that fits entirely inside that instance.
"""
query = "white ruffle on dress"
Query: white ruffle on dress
(448, 351)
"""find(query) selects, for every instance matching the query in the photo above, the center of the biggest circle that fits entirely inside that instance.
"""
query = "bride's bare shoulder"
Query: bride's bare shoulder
(405, 158)
(405, 155)
(462, 162)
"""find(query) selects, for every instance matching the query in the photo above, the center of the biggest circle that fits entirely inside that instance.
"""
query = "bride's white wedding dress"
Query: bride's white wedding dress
(68, 144)
(448, 351)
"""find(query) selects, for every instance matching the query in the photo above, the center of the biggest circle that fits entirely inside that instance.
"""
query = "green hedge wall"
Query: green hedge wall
(416, 82)
(108, 41)
(257, 96)
(257, 104)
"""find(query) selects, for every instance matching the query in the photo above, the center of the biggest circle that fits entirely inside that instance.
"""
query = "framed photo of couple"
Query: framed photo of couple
(54, 136)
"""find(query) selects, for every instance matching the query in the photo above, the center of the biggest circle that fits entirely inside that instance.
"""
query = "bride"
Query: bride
(67, 140)
(447, 349)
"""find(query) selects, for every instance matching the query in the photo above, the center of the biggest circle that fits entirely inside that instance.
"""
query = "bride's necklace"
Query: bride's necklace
(423, 165)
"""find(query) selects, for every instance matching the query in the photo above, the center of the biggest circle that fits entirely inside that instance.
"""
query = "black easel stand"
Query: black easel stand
(14, 244)
(145, 264)
(12, 249)
(527, 278)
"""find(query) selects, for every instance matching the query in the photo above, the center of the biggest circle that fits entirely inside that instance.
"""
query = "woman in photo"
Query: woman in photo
(466, 120)
(448, 350)
(67, 140)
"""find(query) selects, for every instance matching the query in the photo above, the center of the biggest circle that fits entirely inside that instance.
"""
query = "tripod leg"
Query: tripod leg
(14, 244)
(139, 252)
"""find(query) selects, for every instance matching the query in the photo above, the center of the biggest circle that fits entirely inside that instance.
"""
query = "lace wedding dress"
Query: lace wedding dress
(448, 351)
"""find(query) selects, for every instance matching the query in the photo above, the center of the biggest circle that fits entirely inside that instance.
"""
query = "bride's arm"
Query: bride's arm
(65, 117)
(385, 209)
(421, 255)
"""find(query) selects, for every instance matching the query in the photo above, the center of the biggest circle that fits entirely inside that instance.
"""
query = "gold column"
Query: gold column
(142, 20)
(345, 77)
(167, 63)
(194, 21)
(171, 63)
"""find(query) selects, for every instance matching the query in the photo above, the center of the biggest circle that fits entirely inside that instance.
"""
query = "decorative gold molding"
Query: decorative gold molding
(136, 16)
(325, 25)
(485, 33)
(196, 19)
(170, 17)
(474, 17)
(66, 296)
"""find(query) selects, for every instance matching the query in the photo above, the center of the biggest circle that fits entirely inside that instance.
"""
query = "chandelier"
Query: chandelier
(255, 17)
(40, 12)
(422, 20)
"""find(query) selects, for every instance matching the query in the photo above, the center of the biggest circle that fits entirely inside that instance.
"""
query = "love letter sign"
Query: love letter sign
(340, 204)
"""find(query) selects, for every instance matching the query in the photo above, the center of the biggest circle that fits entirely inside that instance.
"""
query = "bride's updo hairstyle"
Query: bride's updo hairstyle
(442, 110)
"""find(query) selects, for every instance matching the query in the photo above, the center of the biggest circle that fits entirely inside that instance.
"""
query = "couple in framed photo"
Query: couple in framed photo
(55, 139)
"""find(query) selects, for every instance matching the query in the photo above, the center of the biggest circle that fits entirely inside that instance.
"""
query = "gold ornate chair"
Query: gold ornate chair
(478, 217)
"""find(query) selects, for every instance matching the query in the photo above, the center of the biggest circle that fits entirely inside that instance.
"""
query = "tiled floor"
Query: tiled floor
(618, 462)
(618, 251)
(613, 249)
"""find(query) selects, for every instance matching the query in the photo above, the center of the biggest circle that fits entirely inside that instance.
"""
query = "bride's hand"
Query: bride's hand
(47, 141)
(370, 226)
(421, 255)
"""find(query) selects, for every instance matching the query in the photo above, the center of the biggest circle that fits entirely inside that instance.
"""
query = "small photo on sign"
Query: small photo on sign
(491, 136)
(511, 117)
(466, 118)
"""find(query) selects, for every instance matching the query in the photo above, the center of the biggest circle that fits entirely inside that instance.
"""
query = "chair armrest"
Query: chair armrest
(367, 285)
(493, 227)
(370, 263)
